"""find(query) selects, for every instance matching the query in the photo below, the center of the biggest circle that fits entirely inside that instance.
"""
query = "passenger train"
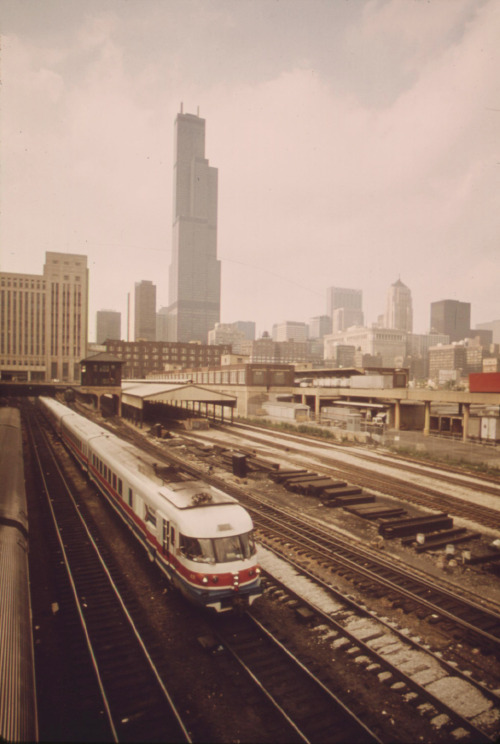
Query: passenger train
(200, 537)
(18, 709)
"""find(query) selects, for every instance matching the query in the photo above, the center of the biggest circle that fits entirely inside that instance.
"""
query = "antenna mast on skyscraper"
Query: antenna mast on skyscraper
(182, 108)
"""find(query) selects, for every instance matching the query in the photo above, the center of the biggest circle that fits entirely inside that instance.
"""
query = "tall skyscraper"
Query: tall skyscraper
(44, 320)
(451, 317)
(399, 308)
(145, 311)
(108, 326)
(345, 308)
(194, 280)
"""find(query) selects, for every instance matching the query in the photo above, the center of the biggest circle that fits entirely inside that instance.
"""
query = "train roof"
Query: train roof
(83, 426)
(193, 494)
(13, 504)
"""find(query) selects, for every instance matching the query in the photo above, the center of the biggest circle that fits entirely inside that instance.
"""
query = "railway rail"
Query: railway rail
(313, 711)
(122, 695)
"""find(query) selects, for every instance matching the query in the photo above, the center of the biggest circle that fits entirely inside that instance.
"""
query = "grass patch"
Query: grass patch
(458, 462)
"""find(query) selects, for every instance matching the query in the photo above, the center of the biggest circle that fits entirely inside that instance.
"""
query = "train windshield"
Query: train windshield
(219, 549)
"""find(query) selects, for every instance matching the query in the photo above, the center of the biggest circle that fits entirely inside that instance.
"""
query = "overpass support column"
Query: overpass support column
(397, 415)
(303, 401)
(427, 418)
(465, 420)
(316, 407)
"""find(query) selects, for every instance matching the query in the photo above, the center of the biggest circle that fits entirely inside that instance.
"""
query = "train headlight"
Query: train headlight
(215, 579)
(204, 580)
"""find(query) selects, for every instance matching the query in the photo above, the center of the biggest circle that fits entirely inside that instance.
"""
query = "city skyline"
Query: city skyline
(354, 144)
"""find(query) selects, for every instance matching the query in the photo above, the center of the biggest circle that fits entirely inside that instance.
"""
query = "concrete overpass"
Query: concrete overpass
(396, 397)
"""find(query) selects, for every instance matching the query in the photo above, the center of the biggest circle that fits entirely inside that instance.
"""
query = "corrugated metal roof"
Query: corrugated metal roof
(136, 393)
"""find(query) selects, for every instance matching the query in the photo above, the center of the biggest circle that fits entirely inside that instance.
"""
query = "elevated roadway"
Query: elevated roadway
(395, 397)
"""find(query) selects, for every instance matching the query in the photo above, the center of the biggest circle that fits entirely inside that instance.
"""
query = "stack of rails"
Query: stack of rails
(279, 476)
(414, 525)
(349, 497)
(331, 492)
(377, 512)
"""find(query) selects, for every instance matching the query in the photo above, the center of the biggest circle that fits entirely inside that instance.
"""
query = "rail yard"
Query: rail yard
(379, 618)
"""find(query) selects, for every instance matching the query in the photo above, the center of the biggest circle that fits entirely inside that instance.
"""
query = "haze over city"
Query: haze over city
(355, 143)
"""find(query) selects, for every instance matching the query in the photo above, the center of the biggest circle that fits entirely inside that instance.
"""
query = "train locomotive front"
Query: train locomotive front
(214, 553)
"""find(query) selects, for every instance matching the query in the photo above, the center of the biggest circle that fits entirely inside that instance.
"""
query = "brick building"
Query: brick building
(145, 357)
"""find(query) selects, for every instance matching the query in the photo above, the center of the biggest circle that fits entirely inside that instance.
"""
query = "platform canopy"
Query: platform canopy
(135, 394)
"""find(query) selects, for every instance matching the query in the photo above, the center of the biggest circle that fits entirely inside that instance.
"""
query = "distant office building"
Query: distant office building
(162, 324)
(248, 328)
(290, 330)
(344, 307)
(399, 308)
(44, 320)
(345, 317)
(145, 311)
(194, 280)
(108, 325)
(343, 355)
(267, 351)
(418, 352)
(452, 318)
(481, 336)
(447, 362)
(227, 333)
(320, 326)
(386, 343)
(494, 327)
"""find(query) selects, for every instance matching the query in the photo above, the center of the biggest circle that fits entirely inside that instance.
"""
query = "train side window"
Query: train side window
(114, 482)
(120, 487)
(130, 498)
(149, 515)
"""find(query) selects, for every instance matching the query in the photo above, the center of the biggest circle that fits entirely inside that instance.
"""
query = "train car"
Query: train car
(200, 537)
(18, 710)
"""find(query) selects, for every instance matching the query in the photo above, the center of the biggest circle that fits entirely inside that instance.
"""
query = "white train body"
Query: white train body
(200, 536)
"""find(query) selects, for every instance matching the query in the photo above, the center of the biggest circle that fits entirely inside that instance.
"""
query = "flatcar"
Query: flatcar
(200, 537)
(18, 709)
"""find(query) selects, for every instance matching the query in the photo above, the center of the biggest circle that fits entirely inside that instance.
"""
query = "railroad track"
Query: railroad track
(391, 485)
(121, 694)
(380, 650)
(313, 712)
(376, 575)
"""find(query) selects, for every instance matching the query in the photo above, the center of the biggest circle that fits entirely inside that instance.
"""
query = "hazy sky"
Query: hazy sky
(356, 142)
